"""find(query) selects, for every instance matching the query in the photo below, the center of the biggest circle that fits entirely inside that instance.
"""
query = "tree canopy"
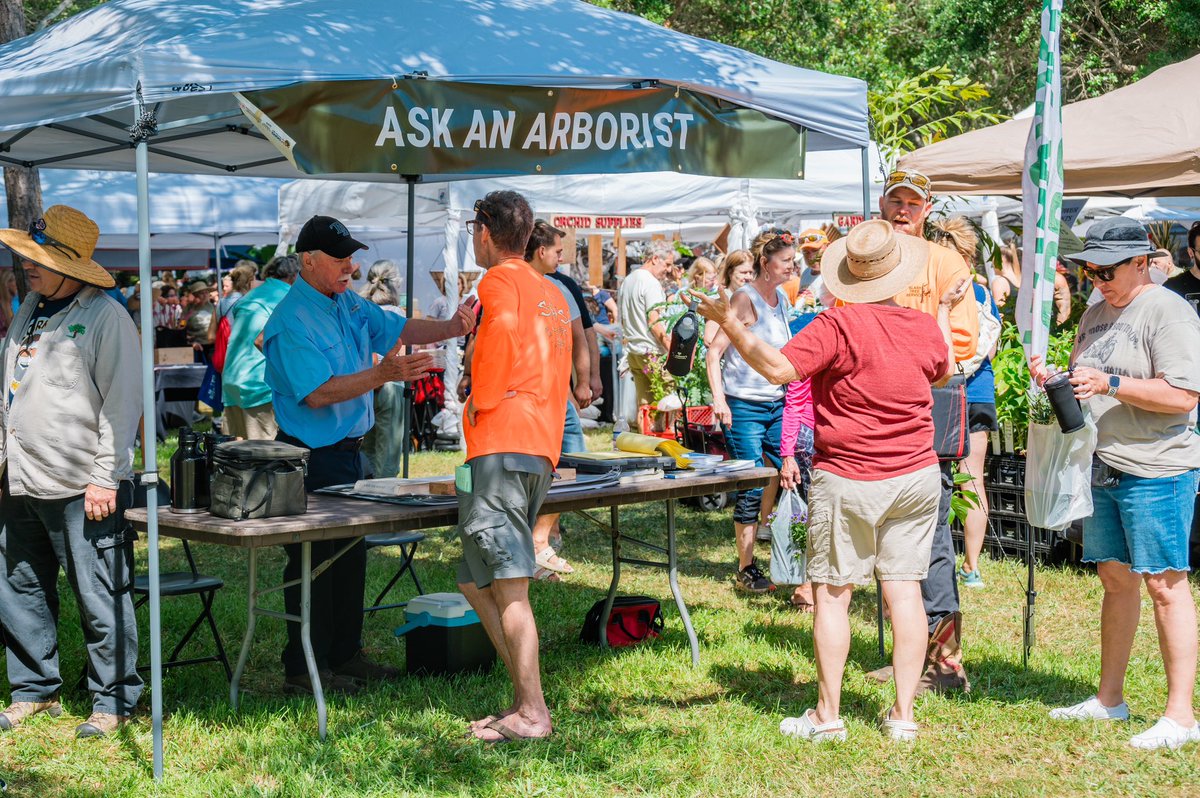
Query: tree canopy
(1106, 43)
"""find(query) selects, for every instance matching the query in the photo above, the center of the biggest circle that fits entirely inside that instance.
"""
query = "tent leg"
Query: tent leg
(866, 183)
(149, 452)
(410, 247)
(1030, 600)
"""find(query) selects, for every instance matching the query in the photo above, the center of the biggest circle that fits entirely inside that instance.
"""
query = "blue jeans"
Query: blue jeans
(1142, 522)
(573, 440)
(754, 435)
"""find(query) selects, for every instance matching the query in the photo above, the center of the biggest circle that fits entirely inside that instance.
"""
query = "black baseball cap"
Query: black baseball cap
(328, 235)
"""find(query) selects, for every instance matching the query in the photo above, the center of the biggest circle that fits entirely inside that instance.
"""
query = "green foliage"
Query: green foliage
(962, 499)
(42, 13)
(912, 112)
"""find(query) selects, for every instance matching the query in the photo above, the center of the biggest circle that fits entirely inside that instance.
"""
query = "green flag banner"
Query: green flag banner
(1042, 191)
(424, 127)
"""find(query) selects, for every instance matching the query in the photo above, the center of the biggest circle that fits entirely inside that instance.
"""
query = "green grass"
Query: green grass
(640, 721)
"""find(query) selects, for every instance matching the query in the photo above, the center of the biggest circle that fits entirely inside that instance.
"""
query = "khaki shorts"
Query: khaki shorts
(859, 530)
(495, 518)
(252, 423)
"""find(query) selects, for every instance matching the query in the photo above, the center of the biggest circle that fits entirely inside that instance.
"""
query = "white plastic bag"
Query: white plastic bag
(1058, 474)
(789, 564)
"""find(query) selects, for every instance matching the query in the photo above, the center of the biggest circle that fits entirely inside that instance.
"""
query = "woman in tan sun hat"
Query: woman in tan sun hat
(876, 483)
(70, 377)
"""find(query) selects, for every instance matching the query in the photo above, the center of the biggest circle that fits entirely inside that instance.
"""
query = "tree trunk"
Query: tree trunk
(23, 186)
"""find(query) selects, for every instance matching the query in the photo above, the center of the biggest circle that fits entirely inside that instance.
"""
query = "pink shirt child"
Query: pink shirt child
(797, 412)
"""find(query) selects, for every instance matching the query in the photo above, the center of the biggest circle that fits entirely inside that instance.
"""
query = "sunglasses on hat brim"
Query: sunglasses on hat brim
(915, 179)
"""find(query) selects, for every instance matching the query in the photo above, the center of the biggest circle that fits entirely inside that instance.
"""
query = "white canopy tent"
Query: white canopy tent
(193, 215)
(695, 207)
(155, 80)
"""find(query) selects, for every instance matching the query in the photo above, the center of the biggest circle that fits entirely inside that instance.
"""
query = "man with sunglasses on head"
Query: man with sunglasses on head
(806, 285)
(1136, 362)
(320, 346)
(906, 203)
(1187, 284)
(69, 412)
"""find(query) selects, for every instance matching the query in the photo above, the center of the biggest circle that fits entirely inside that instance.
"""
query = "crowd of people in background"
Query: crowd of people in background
(822, 351)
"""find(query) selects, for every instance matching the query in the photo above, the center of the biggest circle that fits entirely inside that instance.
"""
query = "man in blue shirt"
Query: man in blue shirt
(319, 346)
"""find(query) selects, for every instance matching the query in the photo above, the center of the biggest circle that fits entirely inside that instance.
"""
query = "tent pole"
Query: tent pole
(217, 263)
(866, 182)
(410, 254)
(150, 452)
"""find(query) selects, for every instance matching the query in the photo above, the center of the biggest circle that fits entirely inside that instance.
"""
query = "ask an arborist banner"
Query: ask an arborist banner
(426, 127)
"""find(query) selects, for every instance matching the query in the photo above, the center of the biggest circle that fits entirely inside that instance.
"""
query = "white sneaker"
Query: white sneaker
(1091, 709)
(1166, 734)
(807, 728)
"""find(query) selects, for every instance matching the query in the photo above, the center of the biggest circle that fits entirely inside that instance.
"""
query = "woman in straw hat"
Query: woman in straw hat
(69, 414)
(876, 482)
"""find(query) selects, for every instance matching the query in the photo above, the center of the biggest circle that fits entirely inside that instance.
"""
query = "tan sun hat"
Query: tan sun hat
(872, 263)
(63, 241)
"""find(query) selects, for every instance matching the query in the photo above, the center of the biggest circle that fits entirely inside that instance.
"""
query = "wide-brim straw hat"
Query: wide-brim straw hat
(69, 241)
(872, 263)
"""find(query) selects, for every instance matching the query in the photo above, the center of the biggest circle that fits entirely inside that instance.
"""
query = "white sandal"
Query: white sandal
(807, 728)
(547, 558)
(902, 730)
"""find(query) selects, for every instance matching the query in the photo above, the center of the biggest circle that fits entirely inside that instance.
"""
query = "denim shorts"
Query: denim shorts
(755, 434)
(1143, 522)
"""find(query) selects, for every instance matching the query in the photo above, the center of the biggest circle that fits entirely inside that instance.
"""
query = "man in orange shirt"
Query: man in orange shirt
(906, 203)
(513, 424)
(813, 243)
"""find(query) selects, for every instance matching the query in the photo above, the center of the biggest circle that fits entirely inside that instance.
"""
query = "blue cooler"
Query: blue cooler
(444, 636)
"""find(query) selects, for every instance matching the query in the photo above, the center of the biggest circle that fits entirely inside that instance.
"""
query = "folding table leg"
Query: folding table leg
(306, 633)
(251, 618)
(673, 578)
(615, 529)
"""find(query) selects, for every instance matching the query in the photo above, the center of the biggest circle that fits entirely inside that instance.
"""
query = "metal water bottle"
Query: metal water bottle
(189, 475)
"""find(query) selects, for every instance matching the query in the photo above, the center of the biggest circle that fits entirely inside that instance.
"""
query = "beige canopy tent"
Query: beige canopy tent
(1140, 140)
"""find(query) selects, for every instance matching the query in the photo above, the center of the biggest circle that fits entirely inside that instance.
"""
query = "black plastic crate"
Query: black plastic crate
(1005, 471)
(1006, 501)
(1012, 535)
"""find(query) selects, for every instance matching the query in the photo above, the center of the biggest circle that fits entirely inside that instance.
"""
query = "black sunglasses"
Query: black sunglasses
(1105, 274)
(37, 231)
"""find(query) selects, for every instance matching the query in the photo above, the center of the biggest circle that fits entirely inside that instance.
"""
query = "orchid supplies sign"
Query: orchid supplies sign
(1042, 190)
(429, 127)
(576, 221)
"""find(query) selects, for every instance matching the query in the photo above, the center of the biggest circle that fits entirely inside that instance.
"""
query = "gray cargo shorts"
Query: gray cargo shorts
(496, 516)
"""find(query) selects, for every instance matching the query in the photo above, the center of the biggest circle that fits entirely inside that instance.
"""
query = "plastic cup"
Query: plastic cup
(439, 358)
(1064, 403)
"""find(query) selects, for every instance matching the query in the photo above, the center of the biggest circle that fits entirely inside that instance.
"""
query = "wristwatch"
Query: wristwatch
(1114, 382)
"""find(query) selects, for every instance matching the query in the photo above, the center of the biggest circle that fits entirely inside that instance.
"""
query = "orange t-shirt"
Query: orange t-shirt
(945, 268)
(523, 348)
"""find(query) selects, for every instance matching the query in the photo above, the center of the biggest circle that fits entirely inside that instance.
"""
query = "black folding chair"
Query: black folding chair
(407, 541)
(187, 583)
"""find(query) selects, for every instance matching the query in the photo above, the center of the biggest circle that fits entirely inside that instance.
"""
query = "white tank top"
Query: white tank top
(771, 326)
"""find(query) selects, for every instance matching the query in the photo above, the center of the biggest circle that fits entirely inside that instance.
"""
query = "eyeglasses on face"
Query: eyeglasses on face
(912, 178)
(482, 217)
(811, 238)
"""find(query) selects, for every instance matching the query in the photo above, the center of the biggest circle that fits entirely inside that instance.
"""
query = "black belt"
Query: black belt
(344, 445)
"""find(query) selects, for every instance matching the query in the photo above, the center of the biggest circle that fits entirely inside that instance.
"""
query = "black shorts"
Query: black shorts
(981, 417)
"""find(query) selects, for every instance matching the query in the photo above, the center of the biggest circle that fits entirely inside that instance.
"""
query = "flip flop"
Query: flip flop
(801, 606)
(507, 735)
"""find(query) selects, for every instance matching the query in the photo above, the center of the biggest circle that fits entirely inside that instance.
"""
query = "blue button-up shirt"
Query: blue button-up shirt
(311, 338)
